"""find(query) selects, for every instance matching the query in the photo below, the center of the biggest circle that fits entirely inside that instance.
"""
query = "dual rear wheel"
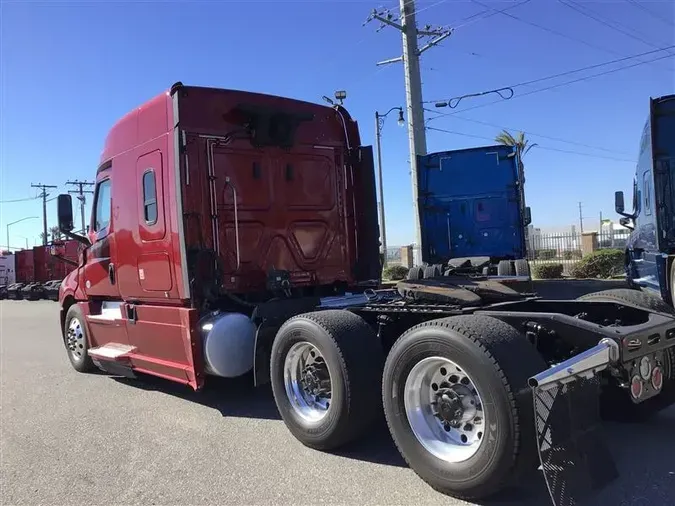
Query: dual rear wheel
(453, 392)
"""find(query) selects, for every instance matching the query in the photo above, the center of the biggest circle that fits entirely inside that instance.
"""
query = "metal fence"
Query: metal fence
(566, 248)
(542, 248)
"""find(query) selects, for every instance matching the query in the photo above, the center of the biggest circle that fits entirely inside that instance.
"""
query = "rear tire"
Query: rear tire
(432, 271)
(498, 360)
(522, 267)
(505, 268)
(615, 402)
(415, 273)
(76, 340)
(353, 360)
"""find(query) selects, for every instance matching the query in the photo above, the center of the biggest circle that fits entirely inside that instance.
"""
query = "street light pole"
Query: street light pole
(379, 123)
(17, 221)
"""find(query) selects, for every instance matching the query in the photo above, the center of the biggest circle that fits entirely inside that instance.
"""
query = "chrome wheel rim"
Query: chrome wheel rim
(75, 339)
(444, 409)
(308, 382)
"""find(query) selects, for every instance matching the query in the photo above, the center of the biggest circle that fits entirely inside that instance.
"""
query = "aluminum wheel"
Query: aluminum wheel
(444, 409)
(75, 340)
(307, 381)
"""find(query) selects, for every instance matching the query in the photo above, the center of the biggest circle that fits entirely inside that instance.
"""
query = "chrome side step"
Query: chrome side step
(111, 351)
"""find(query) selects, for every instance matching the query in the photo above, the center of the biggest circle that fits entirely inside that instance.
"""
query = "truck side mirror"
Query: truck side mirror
(528, 216)
(65, 212)
(618, 202)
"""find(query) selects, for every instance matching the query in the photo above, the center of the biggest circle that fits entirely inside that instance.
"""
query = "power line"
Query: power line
(18, 200)
(594, 15)
(566, 83)
(44, 196)
(568, 72)
(555, 32)
(489, 12)
(546, 148)
(558, 139)
(650, 12)
(80, 192)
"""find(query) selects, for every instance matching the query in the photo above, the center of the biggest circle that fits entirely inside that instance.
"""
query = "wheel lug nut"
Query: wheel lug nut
(446, 427)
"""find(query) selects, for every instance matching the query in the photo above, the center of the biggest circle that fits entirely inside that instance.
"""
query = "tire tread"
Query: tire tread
(361, 356)
(515, 361)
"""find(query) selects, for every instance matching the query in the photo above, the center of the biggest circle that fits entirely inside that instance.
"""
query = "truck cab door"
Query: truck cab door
(99, 268)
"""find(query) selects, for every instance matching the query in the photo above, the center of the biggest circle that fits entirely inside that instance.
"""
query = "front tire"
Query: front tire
(325, 371)
(76, 340)
(470, 451)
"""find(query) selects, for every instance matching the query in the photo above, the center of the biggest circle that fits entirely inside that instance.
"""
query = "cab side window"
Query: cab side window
(647, 192)
(103, 204)
(149, 197)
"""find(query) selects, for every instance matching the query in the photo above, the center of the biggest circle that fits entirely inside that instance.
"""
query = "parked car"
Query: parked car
(32, 291)
(14, 291)
(3, 292)
(51, 289)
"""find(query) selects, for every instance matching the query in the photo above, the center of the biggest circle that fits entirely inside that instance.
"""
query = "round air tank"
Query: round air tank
(229, 342)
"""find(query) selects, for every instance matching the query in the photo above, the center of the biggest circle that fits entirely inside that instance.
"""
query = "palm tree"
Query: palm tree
(522, 146)
(55, 232)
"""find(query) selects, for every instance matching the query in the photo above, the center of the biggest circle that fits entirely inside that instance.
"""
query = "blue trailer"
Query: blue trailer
(650, 250)
(472, 212)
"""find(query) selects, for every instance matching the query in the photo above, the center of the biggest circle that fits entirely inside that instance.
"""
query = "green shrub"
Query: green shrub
(545, 254)
(395, 272)
(604, 263)
(573, 254)
(548, 271)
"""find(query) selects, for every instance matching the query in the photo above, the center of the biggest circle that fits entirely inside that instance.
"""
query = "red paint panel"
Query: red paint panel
(166, 343)
(154, 272)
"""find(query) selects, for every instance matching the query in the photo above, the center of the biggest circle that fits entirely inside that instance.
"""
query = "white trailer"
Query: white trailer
(7, 269)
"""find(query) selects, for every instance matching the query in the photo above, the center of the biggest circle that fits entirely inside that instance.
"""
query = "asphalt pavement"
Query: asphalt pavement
(70, 438)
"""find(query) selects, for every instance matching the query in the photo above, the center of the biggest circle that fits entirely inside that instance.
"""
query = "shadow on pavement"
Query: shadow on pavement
(231, 397)
(239, 398)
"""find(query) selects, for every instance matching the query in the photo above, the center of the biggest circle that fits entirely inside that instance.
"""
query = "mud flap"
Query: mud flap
(574, 457)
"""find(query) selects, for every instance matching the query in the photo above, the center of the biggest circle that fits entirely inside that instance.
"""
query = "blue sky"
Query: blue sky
(71, 69)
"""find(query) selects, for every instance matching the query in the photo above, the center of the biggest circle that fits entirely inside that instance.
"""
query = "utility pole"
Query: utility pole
(80, 196)
(379, 123)
(581, 220)
(44, 196)
(407, 25)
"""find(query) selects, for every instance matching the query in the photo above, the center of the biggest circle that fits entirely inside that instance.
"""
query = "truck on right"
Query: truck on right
(650, 249)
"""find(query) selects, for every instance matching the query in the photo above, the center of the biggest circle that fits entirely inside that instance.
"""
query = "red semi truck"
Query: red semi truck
(235, 232)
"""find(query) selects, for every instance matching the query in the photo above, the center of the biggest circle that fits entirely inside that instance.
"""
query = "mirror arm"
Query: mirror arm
(80, 238)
